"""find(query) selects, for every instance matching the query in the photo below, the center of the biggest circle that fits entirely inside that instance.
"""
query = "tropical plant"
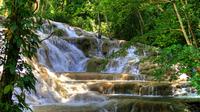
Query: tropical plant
(20, 42)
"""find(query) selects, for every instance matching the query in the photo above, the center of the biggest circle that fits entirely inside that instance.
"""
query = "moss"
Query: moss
(147, 67)
(85, 44)
(95, 64)
(146, 49)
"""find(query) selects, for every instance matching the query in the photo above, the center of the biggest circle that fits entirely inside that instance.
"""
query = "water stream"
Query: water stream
(64, 85)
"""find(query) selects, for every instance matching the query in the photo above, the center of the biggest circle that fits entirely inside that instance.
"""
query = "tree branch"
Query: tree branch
(181, 25)
(47, 37)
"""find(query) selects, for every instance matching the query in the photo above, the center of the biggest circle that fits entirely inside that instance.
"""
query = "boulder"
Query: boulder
(146, 50)
(87, 44)
(95, 64)
(146, 67)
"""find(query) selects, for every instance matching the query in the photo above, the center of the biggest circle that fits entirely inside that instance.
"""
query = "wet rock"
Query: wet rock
(146, 50)
(136, 88)
(66, 108)
(78, 31)
(87, 44)
(89, 97)
(108, 45)
(95, 64)
(132, 105)
(147, 67)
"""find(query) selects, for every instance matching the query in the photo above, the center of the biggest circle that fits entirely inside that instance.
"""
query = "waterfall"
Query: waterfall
(124, 64)
(67, 29)
(62, 81)
(56, 55)
(99, 47)
(60, 56)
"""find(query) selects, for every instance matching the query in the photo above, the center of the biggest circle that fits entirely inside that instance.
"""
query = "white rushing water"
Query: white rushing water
(52, 88)
(60, 56)
(67, 29)
(124, 64)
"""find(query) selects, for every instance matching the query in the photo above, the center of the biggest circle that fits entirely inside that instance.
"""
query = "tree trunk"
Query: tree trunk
(9, 74)
(181, 25)
(190, 31)
(99, 25)
(107, 22)
(141, 22)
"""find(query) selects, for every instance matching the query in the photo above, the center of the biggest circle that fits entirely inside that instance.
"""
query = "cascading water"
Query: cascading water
(125, 64)
(67, 29)
(114, 90)
(99, 48)
(60, 56)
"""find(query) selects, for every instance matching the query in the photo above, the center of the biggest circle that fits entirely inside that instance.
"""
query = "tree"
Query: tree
(124, 16)
(20, 41)
(175, 30)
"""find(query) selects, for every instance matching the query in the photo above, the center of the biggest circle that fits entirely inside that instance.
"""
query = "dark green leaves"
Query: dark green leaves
(20, 43)
(7, 89)
(185, 58)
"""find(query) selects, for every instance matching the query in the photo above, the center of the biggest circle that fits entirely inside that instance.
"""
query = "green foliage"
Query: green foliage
(178, 59)
(124, 17)
(58, 32)
(7, 89)
(77, 12)
(20, 41)
(195, 81)
(164, 31)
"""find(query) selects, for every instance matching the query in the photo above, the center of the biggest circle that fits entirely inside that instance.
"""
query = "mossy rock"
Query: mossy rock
(134, 105)
(109, 44)
(78, 31)
(85, 44)
(146, 66)
(106, 47)
(95, 64)
(146, 50)
(136, 88)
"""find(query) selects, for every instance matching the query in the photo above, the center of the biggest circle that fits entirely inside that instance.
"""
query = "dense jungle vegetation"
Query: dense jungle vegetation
(173, 26)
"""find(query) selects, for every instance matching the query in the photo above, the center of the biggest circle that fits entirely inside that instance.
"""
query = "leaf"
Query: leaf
(12, 69)
(7, 89)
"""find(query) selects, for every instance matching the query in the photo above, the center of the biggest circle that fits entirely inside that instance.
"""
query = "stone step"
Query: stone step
(126, 104)
(65, 108)
(132, 87)
(102, 76)
(135, 87)
(185, 99)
